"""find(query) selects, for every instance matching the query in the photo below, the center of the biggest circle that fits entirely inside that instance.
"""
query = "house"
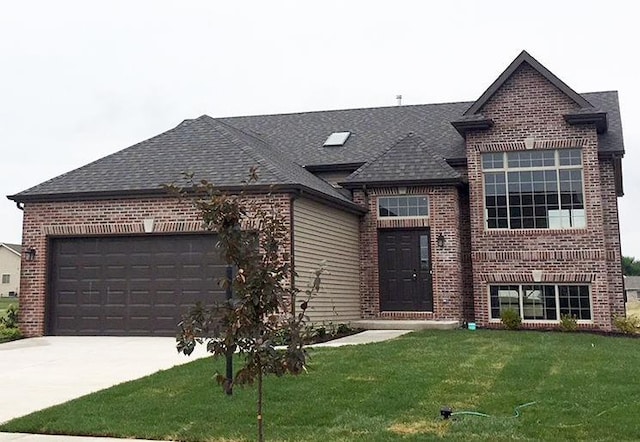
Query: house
(632, 288)
(9, 269)
(453, 211)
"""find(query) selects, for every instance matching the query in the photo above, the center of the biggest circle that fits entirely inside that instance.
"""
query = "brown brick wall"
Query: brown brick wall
(528, 106)
(102, 217)
(446, 213)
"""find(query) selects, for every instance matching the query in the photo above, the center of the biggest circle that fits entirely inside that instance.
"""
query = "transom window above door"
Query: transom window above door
(403, 206)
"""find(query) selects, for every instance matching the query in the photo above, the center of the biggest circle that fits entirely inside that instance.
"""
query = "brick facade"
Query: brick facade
(528, 106)
(43, 221)
(527, 112)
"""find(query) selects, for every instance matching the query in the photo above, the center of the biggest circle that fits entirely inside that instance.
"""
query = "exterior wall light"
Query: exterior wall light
(30, 254)
(440, 240)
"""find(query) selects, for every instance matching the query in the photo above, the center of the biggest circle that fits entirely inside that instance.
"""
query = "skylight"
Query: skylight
(337, 139)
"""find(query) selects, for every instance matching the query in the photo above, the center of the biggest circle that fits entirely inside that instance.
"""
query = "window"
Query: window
(404, 206)
(337, 139)
(541, 302)
(6, 279)
(534, 189)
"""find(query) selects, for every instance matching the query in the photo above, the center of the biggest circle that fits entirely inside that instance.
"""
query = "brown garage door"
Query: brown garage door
(130, 286)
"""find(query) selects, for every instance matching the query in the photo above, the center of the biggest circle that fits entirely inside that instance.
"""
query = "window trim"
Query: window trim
(8, 278)
(378, 216)
(505, 169)
(557, 298)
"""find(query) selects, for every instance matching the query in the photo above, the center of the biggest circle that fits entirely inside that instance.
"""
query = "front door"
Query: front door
(404, 260)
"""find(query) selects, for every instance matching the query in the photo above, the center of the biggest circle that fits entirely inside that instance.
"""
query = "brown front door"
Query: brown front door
(404, 260)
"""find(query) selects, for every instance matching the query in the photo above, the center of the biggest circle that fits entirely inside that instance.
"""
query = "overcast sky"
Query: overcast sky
(83, 79)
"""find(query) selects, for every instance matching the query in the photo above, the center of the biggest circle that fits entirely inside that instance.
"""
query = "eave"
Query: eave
(597, 118)
(464, 126)
(294, 189)
(346, 167)
(400, 182)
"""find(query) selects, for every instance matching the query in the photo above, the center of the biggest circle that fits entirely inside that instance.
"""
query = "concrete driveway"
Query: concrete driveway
(39, 372)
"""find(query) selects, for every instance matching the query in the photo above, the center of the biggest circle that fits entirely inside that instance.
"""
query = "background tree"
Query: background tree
(251, 238)
(630, 267)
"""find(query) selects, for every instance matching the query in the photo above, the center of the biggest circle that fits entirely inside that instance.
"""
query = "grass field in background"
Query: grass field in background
(585, 387)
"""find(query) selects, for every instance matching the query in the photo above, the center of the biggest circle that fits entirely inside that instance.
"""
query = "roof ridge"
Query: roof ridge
(417, 141)
(275, 165)
(258, 156)
(378, 156)
(346, 109)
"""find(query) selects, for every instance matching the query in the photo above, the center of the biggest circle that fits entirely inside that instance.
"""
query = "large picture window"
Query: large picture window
(541, 302)
(539, 189)
(403, 206)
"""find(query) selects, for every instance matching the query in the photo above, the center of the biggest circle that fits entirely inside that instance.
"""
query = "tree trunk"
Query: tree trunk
(260, 428)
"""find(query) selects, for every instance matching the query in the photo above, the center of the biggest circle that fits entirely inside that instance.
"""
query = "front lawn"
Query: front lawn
(585, 387)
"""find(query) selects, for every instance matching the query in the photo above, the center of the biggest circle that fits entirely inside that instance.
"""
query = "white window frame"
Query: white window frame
(426, 197)
(556, 167)
(557, 298)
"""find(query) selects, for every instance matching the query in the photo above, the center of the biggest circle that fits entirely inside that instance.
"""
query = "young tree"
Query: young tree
(263, 306)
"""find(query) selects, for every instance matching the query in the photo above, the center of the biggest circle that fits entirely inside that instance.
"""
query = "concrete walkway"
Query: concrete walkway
(37, 373)
(40, 372)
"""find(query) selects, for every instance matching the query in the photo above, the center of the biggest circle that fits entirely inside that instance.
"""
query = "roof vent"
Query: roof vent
(337, 139)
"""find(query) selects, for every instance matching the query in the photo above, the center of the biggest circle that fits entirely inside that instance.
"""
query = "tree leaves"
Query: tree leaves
(252, 233)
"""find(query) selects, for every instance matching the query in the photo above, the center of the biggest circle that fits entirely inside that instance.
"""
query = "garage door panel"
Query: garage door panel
(130, 285)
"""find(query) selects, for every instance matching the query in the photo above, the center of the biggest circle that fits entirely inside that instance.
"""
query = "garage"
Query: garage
(130, 285)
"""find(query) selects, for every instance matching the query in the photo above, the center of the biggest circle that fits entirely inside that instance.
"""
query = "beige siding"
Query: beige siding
(9, 265)
(323, 233)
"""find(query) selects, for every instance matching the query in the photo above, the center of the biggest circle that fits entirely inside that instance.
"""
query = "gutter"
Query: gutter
(436, 182)
(160, 193)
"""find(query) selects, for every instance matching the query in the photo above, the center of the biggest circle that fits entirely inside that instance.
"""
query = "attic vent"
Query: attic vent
(337, 139)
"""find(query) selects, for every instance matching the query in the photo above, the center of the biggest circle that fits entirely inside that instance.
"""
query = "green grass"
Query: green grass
(586, 387)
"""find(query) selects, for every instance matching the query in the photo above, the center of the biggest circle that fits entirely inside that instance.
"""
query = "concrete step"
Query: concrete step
(405, 324)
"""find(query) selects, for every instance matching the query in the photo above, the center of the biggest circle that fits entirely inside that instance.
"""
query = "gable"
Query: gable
(525, 58)
(527, 104)
(410, 160)
(536, 90)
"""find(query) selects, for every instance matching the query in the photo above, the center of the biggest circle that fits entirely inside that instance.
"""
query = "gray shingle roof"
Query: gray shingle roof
(398, 164)
(611, 141)
(222, 150)
(208, 148)
(16, 248)
(301, 136)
